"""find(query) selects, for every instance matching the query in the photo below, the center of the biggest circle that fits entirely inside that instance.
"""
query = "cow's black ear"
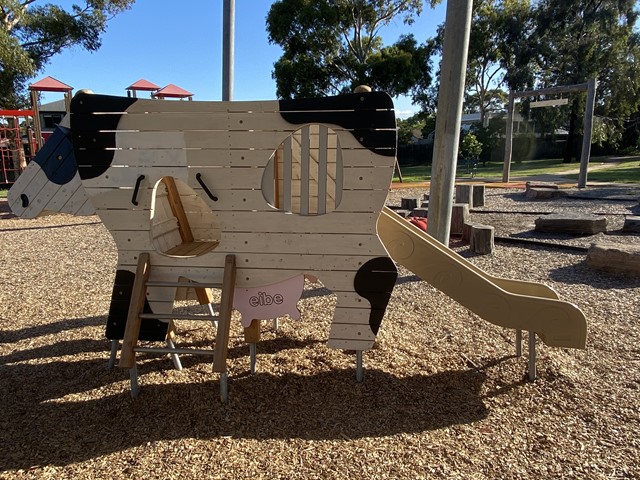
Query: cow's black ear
(83, 102)
(94, 140)
(369, 117)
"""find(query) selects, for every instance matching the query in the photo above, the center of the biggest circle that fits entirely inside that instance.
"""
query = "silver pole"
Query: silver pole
(114, 352)
(518, 343)
(252, 358)
(450, 98)
(228, 32)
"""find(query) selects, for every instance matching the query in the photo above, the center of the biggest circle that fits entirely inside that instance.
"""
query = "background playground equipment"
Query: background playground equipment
(17, 143)
(248, 194)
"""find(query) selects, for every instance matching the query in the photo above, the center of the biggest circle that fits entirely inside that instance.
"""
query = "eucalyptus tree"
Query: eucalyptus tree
(33, 31)
(331, 46)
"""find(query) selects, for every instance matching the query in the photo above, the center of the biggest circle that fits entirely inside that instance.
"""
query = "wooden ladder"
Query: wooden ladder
(135, 315)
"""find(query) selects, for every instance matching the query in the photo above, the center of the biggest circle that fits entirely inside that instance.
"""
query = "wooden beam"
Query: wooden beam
(173, 196)
(224, 320)
(132, 328)
(549, 103)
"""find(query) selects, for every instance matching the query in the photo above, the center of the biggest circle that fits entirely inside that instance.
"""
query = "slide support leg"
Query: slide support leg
(518, 343)
(532, 356)
(114, 351)
(359, 368)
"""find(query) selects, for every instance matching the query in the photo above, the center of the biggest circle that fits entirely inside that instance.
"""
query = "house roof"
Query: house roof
(50, 84)
(172, 91)
(143, 84)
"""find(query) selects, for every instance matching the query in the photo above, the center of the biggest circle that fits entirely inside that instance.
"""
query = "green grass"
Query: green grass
(627, 171)
(3, 193)
(601, 170)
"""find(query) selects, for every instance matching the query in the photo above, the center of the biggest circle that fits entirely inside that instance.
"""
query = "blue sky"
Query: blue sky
(181, 43)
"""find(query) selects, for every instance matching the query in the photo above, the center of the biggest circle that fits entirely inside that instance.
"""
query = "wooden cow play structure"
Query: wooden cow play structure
(288, 188)
(250, 197)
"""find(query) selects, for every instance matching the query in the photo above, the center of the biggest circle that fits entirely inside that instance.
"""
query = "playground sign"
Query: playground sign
(549, 103)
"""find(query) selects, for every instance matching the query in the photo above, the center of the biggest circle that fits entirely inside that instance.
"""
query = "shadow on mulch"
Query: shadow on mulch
(582, 274)
(5, 211)
(13, 336)
(328, 405)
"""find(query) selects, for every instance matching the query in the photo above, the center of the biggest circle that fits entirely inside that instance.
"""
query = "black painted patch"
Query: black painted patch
(150, 329)
(369, 116)
(56, 158)
(90, 133)
(375, 281)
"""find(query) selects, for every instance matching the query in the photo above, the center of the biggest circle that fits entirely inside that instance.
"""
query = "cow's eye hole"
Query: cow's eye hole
(25, 200)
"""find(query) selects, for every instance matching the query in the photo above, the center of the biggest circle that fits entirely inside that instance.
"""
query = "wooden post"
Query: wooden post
(132, 328)
(252, 332)
(508, 139)
(459, 216)
(587, 133)
(224, 322)
(450, 99)
(478, 196)
(36, 118)
(481, 239)
(464, 193)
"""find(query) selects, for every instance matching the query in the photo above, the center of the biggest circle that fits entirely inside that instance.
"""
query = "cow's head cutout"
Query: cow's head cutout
(304, 174)
(182, 224)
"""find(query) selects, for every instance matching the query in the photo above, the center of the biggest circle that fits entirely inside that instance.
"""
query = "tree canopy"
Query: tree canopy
(331, 46)
(32, 32)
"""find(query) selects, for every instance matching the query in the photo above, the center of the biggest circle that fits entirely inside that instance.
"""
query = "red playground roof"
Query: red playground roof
(50, 84)
(172, 91)
(143, 84)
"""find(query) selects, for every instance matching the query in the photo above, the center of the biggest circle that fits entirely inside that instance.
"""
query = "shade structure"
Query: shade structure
(143, 85)
(172, 91)
(50, 84)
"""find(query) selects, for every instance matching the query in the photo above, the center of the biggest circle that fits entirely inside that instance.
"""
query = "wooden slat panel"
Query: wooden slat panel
(304, 172)
(128, 220)
(302, 243)
(322, 172)
(287, 175)
(152, 157)
(143, 105)
(275, 221)
(339, 184)
(77, 204)
(115, 198)
(63, 194)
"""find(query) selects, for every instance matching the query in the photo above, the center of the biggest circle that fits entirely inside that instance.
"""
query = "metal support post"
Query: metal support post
(532, 356)
(359, 368)
(174, 356)
(518, 343)
(133, 375)
(224, 393)
(252, 358)
(114, 351)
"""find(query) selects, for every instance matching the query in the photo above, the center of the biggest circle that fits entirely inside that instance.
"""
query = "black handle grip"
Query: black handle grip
(205, 188)
(135, 190)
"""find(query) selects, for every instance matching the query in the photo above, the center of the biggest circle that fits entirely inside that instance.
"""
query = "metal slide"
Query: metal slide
(508, 303)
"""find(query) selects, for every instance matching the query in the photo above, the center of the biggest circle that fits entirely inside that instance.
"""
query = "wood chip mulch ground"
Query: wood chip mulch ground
(444, 395)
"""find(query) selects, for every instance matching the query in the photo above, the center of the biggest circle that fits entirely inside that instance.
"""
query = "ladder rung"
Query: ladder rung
(176, 316)
(184, 284)
(179, 351)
